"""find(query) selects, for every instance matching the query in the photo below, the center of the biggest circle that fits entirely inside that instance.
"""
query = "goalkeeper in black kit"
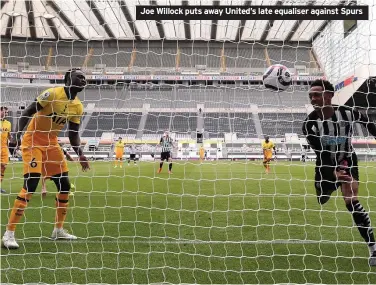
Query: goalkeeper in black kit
(328, 130)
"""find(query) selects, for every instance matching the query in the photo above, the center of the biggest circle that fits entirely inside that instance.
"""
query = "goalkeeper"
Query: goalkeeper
(328, 130)
(42, 153)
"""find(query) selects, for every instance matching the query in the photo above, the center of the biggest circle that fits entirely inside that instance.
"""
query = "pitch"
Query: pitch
(215, 222)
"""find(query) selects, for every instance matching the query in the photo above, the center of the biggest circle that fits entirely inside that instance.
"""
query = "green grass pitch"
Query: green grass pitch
(216, 222)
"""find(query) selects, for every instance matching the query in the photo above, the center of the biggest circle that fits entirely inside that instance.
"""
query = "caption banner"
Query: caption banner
(252, 12)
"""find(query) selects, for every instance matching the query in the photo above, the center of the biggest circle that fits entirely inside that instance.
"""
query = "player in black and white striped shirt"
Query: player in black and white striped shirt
(329, 129)
(167, 144)
(132, 154)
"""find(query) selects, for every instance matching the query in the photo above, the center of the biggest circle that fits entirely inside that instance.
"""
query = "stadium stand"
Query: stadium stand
(277, 124)
(289, 57)
(157, 123)
(217, 124)
(124, 123)
(174, 97)
(243, 124)
(183, 122)
(72, 54)
(13, 95)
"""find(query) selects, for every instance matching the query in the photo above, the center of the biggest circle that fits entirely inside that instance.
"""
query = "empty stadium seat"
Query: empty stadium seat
(278, 124)
(125, 123)
(157, 123)
(216, 124)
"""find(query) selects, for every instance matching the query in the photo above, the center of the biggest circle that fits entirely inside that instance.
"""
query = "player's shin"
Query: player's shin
(170, 166)
(62, 202)
(363, 222)
(2, 172)
(19, 206)
(160, 165)
(265, 164)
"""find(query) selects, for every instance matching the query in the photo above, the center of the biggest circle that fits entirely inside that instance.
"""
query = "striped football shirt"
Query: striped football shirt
(132, 149)
(331, 138)
(166, 144)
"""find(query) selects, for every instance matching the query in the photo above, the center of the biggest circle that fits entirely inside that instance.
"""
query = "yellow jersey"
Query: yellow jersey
(119, 145)
(57, 110)
(5, 128)
(267, 146)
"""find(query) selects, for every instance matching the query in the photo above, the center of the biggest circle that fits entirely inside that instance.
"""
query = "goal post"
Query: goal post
(221, 216)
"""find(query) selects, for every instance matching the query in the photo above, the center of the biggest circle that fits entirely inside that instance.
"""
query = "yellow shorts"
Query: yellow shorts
(268, 156)
(119, 154)
(4, 155)
(47, 161)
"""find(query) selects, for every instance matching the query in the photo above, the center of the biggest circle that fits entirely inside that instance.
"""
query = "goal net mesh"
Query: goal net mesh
(218, 218)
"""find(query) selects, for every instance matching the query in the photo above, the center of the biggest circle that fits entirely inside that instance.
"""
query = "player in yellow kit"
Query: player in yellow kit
(42, 154)
(44, 188)
(119, 152)
(202, 153)
(268, 147)
(5, 128)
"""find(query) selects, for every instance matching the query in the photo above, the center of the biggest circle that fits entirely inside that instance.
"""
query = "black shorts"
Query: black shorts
(165, 155)
(132, 156)
(325, 180)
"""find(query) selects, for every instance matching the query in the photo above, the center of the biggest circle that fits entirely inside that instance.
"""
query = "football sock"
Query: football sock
(2, 173)
(372, 248)
(18, 209)
(43, 182)
(362, 220)
(160, 165)
(170, 166)
(61, 209)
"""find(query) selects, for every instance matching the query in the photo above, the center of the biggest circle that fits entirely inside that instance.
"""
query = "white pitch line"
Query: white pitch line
(180, 242)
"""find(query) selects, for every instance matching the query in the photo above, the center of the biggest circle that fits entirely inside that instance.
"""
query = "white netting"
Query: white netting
(215, 220)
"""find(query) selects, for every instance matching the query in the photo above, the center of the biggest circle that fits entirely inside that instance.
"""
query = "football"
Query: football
(277, 77)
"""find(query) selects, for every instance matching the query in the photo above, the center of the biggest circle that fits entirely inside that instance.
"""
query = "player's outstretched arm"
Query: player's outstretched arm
(75, 141)
(23, 121)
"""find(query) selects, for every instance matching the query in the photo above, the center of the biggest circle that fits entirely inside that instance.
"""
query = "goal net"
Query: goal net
(221, 216)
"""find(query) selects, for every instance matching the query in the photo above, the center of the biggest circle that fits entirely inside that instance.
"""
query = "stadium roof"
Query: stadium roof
(115, 20)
